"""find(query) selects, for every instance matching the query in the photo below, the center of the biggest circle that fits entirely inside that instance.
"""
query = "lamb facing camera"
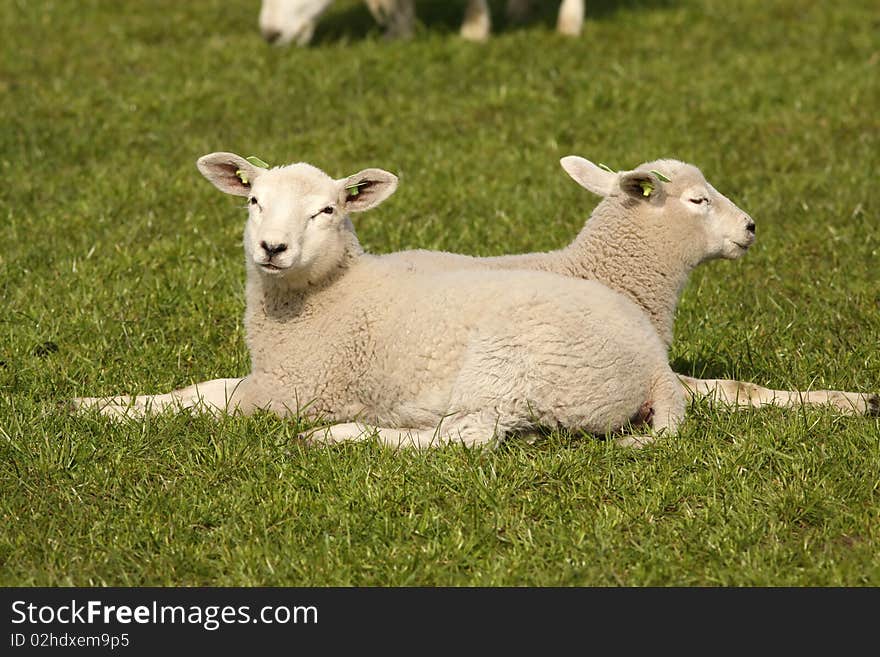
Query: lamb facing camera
(418, 358)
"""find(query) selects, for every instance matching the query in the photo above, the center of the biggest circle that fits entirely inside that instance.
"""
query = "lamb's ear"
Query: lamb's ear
(641, 184)
(588, 175)
(229, 172)
(367, 189)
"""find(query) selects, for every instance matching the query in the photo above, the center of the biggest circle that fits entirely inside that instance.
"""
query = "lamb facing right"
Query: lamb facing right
(421, 358)
(643, 240)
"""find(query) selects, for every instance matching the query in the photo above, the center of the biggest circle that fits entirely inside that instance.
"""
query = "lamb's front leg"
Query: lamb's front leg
(739, 394)
(465, 431)
(217, 396)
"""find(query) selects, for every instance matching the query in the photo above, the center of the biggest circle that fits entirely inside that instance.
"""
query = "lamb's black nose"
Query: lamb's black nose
(751, 227)
(271, 35)
(273, 249)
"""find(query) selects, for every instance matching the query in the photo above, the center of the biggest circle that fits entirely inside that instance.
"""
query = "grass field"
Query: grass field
(121, 271)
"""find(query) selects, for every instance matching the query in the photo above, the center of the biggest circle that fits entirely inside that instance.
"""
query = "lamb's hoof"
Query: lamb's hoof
(81, 404)
(873, 406)
(635, 442)
(317, 437)
(104, 407)
(59, 407)
(306, 438)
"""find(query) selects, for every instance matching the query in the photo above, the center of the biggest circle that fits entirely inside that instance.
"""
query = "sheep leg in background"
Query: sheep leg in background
(738, 394)
(396, 16)
(571, 17)
(569, 23)
(216, 397)
(477, 22)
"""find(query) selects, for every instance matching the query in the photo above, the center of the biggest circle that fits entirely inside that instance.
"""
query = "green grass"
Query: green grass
(121, 271)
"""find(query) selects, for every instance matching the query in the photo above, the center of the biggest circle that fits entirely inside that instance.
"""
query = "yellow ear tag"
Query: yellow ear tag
(257, 162)
(647, 188)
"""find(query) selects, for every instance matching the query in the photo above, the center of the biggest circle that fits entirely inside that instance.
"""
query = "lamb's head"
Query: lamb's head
(678, 207)
(298, 227)
(283, 21)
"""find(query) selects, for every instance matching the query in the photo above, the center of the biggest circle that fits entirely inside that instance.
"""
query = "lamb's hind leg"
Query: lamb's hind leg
(470, 430)
(216, 397)
(739, 394)
(667, 408)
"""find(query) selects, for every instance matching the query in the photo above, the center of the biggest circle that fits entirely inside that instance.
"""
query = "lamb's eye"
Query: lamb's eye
(327, 210)
(253, 200)
(698, 201)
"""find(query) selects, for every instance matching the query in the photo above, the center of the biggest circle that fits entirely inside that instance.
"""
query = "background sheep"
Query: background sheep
(653, 226)
(426, 357)
(283, 21)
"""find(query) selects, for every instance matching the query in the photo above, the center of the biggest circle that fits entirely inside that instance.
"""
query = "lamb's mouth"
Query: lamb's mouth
(269, 267)
(744, 247)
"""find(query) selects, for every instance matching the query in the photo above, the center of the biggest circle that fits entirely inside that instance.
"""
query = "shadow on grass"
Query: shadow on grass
(702, 368)
(355, 22)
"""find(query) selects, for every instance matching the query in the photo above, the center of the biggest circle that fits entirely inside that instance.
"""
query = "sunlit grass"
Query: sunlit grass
(121, 271)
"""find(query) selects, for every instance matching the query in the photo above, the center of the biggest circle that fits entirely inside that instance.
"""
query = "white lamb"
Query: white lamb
(421, 358)
(645, 244)
(283, 21)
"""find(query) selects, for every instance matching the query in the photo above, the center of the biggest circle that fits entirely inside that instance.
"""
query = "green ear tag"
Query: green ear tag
(660, 175)
(606, 167)
(647, 188)
(257, 162)
(354, 190)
